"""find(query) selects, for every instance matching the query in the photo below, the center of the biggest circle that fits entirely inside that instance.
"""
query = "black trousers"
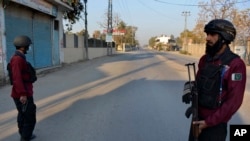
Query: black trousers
(26, 117)
(215, 133)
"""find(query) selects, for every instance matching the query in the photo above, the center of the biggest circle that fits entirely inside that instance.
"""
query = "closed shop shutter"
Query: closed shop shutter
(20, 20)
(17, 25)
(42, 40)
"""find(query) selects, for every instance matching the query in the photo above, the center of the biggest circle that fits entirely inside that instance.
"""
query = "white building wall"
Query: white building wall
(163, 39)
(75, 54)
(71, 53)
(98, 52)
(61, 31)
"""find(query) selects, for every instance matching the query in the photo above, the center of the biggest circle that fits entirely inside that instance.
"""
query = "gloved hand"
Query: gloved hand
(187, 92)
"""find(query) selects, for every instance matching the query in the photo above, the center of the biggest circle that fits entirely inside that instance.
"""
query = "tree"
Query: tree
(118, 24)
(151, 41)
(189, 35)
(212, 9)
(198, 30)
(222, 9)
(241, 20)
(179, 41)
(217, 9)
(119, 39)
(103, 36)
(115, 21)
(129, 36)
(72, 16)
(97, 34)
(81, 33)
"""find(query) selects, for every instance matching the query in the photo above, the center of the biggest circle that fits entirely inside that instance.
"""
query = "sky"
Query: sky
(151, 17)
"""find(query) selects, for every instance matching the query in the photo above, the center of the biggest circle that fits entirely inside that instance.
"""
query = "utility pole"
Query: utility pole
(109, 29)
(185, 13)
(86, 30)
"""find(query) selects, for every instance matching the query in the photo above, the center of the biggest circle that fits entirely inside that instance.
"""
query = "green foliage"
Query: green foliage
(122, 25)
(74, 15)
(151, 41)
(129, 35)
(159, 46)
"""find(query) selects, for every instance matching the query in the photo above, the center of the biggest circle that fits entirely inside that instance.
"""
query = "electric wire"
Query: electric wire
(180, 4)
(155, 11)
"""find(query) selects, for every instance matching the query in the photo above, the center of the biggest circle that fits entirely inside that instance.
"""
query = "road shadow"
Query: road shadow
(83, 109)
(140, 110)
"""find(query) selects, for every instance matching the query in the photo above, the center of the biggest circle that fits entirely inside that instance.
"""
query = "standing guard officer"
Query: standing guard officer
(22, 89)
(221, 80)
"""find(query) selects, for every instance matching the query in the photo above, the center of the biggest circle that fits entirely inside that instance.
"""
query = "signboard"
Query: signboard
(39, 5)
(117, 31)
(109, 37)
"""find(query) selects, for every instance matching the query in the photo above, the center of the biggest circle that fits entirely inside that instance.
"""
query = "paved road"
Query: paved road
(134, 96)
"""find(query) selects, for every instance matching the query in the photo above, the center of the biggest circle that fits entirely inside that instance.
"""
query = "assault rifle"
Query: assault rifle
(190, 94)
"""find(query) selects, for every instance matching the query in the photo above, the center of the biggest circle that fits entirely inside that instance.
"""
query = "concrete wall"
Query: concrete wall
(196, 49)
(73, 55)
(98, 52)
(125, 48)
(74, 52)
(199, 50)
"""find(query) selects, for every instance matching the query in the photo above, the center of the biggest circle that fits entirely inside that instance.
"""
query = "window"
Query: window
(56, 25)
(75, 41)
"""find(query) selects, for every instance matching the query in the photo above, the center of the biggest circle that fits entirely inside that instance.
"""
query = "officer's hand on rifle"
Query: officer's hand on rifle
(202, 125)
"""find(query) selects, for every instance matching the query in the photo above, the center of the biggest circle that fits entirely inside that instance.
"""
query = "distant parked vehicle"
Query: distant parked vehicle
(177, 48)
(171, 45)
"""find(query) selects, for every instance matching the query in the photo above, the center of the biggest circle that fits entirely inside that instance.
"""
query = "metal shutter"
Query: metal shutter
(18, 21)
(42, 40)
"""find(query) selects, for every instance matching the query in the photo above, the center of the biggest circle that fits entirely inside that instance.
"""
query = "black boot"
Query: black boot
(31, 138)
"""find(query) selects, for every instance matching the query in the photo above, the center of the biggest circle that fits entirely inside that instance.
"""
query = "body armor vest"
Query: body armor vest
(209, 82)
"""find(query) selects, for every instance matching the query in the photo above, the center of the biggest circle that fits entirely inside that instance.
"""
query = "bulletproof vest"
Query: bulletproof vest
(209, 82)
(31, 71)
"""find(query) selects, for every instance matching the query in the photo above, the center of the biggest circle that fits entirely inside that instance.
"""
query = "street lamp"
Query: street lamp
(86, 29)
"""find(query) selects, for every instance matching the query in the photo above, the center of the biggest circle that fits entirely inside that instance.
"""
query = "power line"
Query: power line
(180, 4)
(128, 11)
(122, 8)
(152, 9)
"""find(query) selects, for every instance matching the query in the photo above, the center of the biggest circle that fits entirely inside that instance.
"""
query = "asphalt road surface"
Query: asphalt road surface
(134, 96)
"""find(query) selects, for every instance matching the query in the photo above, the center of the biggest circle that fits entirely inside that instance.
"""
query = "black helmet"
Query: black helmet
(22, 41)
(223, 27)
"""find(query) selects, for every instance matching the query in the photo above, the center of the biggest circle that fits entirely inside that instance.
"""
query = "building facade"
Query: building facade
(41, 20)
(162, 39)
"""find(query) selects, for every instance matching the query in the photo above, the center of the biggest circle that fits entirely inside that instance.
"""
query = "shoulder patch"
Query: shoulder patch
(236, 76)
